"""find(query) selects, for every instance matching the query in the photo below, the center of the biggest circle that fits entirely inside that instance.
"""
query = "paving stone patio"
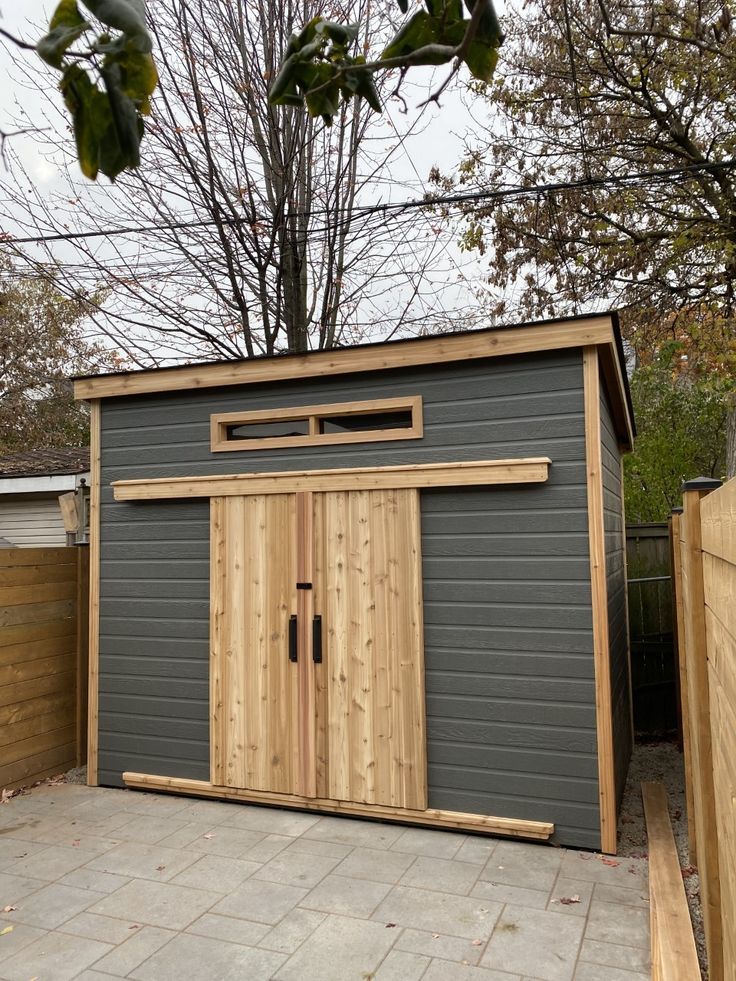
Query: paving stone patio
(117, 884)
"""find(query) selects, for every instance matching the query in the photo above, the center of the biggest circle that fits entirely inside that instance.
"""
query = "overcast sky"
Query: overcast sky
(438, 144)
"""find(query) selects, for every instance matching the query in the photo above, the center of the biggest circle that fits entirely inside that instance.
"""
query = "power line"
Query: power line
(388, 209)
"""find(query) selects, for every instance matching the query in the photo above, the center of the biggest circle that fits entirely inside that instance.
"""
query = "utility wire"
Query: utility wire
(397, 207)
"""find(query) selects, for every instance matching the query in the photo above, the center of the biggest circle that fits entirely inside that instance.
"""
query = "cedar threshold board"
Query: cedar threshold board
(536, 830)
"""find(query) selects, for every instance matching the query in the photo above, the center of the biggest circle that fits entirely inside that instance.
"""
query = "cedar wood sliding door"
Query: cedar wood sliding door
(317, 673)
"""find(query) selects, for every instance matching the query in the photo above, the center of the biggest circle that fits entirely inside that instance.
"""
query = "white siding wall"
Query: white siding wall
(32, 523)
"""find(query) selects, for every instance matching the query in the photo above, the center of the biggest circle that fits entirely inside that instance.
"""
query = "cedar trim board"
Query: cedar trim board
(601, 329)
(534, 470)
(94, 595)
(220, 421)
(674, 954)
(538, 830)
(599, 593)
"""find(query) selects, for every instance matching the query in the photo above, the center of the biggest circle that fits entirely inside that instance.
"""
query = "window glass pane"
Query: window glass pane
(366, 422)
(269, 430)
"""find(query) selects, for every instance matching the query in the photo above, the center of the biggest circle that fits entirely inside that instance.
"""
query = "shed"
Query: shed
(31, 483)
(384, 581)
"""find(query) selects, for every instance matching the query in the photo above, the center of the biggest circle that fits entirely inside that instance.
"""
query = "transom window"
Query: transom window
(342, 422)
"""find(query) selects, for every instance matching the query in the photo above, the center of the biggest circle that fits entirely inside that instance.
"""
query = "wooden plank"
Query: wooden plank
(49, 684)
(22, 595)
(371, 598)
(253, 595)
(11, 616)
(28, 633)
(94, 592)
(474, 473)
(69, 512)
(33, 768)
(82, 651)
(61, 663)
(698, 698)
(432, 817)
(718, 523)
(12, 557)
(599, 590)
(679, 624)
(674, 954)
(306, 784)
(32, 651)
(19, 732)
(34, 745)
(30, 575)
(375, 357)
(49, 703)
(314, 414)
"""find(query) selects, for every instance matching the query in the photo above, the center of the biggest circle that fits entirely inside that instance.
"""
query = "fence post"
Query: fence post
(82, 650)
(698, 704)
(678, 623)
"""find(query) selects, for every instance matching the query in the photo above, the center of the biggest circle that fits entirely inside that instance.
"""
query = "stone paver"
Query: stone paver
(117, 884)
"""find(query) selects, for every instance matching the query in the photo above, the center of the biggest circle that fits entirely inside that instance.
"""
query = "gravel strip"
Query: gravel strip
(662, 763)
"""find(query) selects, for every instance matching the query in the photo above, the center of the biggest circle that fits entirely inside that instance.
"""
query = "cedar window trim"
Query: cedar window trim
(220, 422)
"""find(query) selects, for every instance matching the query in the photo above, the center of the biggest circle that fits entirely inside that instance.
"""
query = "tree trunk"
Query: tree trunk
(731, 436)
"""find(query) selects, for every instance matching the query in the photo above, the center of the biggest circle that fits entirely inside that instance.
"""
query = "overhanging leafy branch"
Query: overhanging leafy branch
(318, 66)
(107, 85)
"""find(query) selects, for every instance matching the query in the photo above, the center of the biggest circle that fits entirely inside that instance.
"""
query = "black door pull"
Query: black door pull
(292, 638)
(317, 639)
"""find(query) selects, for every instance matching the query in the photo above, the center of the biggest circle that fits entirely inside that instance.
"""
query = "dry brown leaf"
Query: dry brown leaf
(160, 868)
(610, 861)
(569, 900)
(477, 943)
(9, 909)
(7, 929)
(208, 836)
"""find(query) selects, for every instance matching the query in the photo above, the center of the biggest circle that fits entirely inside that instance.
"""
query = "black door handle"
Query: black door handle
(317, 639)
(292, 638)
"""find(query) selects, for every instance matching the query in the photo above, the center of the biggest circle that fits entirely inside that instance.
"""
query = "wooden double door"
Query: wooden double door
(317, 659)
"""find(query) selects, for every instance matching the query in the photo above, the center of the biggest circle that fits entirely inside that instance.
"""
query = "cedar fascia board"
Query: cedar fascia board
(599, 330)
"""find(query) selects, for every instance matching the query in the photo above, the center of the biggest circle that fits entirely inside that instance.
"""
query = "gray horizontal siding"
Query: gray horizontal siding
(510, 696)
(613, 523)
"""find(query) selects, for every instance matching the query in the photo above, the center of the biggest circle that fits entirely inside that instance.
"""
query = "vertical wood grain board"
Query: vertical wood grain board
(254, 686)
(371, 733)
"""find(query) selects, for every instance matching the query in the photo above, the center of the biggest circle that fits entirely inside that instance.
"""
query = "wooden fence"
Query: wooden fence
(43, 662)
(653, 664)
(704, 547)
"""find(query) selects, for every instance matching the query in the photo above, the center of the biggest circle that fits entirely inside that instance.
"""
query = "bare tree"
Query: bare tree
(259, 235)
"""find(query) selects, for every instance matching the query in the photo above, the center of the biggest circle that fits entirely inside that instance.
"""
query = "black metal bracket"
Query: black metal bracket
(304, 585)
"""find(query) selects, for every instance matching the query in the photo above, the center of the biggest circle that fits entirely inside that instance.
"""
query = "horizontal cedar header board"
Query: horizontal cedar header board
(370, 357)
(476, 473)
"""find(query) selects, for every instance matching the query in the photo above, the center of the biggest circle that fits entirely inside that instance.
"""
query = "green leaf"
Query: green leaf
(128, 16)
(139, 77)
(125, 123)
(324, 98)
(81, 98)
(481, 59)
(340, 34)
(66, 25)
(423, 30)
(367, 90)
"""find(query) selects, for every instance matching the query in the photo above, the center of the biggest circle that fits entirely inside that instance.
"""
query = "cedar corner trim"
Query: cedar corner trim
(599, 595)
(534, 830)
